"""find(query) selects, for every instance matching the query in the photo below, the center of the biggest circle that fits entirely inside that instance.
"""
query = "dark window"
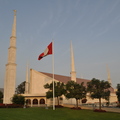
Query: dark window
(35, 101)
(42, 101)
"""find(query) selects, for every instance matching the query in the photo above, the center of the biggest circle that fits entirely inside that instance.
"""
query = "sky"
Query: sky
(93, 26)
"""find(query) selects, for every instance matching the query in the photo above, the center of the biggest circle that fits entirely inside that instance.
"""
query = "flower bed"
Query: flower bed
(76, 108)
(2, 105)
(58, 106)
(99, 110)
(10, 106)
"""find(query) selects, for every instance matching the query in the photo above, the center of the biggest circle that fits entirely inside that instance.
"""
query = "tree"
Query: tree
(18, 99)
(75, 90)
(21, 88)
(1, 97)
(58, 90)
(99, 89)
(118, 92)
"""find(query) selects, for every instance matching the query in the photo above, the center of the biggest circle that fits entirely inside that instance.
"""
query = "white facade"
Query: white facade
(38, 92)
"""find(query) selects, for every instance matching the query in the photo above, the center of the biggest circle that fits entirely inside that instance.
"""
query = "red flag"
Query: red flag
(47, 51)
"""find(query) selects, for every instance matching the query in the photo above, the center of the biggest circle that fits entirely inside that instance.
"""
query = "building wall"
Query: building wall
(37, 82)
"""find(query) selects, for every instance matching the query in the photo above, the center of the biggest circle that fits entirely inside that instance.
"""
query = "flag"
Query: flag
(47, 51)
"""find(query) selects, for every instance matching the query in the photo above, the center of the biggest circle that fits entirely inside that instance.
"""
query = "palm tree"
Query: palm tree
(99, 89)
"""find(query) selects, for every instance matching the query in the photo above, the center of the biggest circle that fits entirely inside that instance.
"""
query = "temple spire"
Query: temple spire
(73, 72)
(14, 25)
(108, 73)
(10, 76)
(27, 80)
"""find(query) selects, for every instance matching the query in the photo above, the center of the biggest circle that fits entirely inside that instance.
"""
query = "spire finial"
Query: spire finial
(15, 12)
(14, 25)
(108, 72)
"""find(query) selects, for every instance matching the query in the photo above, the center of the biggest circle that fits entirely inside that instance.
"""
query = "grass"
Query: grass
(58, 114)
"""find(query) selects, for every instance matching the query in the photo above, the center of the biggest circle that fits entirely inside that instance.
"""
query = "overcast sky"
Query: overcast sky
(93, 26)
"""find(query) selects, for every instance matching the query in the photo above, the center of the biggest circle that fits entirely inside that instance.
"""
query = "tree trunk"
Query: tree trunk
(76, 103)
(100, 103)
(58, 100)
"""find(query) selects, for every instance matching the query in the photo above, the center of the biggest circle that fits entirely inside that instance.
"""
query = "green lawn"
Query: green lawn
(58, 114)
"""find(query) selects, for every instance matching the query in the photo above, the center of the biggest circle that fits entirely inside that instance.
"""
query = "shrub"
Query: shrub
(58, 106)
(10, 105)
(118, 105)
(2, 105)
(99, 110)
(18, 99)
(76, 108)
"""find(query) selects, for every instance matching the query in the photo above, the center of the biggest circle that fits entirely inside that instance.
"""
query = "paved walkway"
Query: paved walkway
(109, 109)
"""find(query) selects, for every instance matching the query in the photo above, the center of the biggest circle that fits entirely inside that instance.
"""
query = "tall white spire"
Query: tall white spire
(27, 80)
(108, 73)
(10, 76)
(14, 25)
(73, 72)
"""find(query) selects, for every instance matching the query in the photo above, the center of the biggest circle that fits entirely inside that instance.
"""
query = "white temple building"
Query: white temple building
(36, 94)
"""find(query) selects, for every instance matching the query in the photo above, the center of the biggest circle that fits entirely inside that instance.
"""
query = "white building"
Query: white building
(37, 93)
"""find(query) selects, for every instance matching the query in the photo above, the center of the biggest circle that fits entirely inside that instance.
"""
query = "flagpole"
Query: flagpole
(53, 76)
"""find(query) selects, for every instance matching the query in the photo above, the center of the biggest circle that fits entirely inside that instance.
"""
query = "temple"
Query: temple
(35, 93)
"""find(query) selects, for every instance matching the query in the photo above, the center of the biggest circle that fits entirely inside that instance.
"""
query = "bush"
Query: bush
(58, 106)
(10, 105)
(99, 110)
(18, 99)
(118, 105)
(2, 105)
(1, 100)
(76, 108)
